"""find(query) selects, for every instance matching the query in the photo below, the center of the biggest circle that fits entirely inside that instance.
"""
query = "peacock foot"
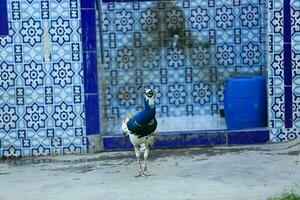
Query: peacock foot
(139, 174)
(142, 173)
(145, 174)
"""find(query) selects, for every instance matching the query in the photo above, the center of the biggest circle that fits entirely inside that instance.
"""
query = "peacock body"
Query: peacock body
(141, 128)
(143, 123)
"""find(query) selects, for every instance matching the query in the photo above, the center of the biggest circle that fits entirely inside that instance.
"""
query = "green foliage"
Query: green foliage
(290, 195)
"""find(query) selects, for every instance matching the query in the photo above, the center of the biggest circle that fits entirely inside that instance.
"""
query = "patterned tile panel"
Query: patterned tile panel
(295, 29)
(41, 84)
(184, 49)
(284, 69)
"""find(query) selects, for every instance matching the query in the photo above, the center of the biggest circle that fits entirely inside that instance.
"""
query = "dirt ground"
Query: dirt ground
(227, 173)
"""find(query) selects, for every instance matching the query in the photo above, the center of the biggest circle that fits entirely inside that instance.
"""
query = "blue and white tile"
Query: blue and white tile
(296, 83)
(296, 41)
(295, 4)
(276, 67)
(295, 30)
(7, 52)
(273, 135)
(276, 109)
(284, 135)
(32, 111)
(295, 15)
(177, 69)
(296, 106)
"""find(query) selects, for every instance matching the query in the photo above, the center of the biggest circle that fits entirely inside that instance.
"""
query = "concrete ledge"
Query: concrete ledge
(179, 139)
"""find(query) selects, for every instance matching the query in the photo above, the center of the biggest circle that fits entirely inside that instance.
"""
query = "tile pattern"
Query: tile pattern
(41, 79)
(184, 49)
(283, 71)
(295, 29)
(43, 94)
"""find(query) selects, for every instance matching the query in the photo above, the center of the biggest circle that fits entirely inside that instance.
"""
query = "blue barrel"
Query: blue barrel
(245, 102)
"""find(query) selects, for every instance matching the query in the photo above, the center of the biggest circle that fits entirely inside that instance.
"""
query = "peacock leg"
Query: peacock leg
(138, 155)
(146, 153)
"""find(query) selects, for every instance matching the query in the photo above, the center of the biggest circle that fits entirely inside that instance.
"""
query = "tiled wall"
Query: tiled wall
(284, 69)
(42, 92)
(48, 82)
(217, 39)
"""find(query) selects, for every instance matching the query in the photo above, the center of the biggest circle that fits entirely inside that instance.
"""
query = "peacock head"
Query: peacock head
(149, 95)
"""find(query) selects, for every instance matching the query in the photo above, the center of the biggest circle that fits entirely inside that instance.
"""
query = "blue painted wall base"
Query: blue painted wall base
(193, 139)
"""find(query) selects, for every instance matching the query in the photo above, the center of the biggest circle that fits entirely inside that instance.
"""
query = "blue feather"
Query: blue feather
(143, 123)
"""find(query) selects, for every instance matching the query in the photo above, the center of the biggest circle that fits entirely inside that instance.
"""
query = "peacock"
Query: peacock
(141, 128)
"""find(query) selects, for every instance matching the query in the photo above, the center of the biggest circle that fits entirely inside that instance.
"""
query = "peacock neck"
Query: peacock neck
(149, 110)
(145, 116)
(149, 105)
